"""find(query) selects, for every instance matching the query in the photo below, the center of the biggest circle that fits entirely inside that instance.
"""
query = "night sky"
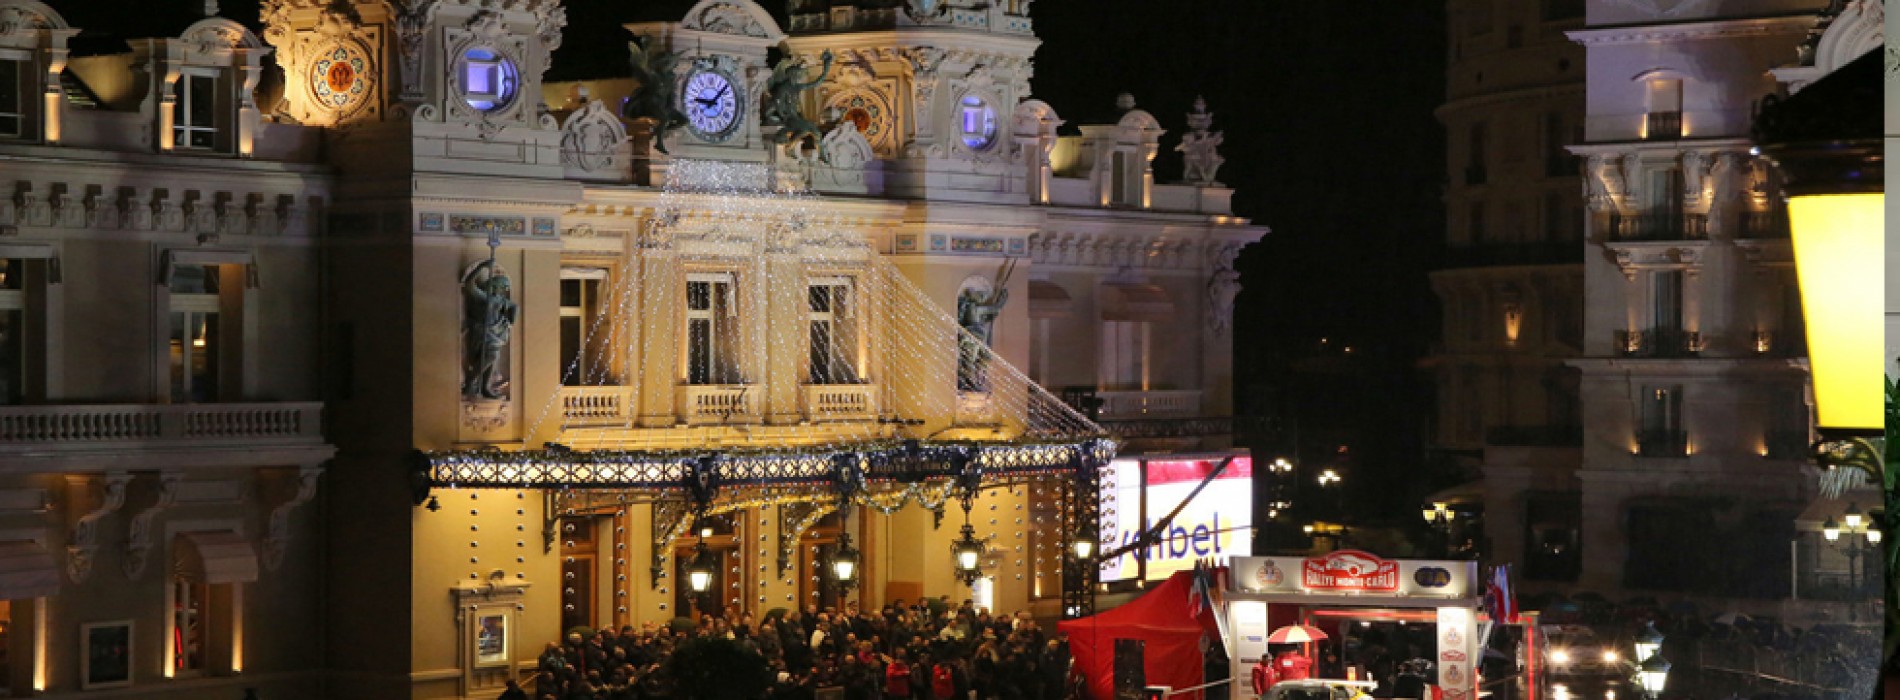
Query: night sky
(1330, 142)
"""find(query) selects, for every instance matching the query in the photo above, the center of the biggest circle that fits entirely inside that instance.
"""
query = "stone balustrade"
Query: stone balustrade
(91, 426)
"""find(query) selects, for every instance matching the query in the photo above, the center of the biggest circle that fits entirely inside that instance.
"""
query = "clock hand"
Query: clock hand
(723, 91)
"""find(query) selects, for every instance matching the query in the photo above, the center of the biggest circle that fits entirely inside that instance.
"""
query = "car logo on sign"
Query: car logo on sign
(1432, 577)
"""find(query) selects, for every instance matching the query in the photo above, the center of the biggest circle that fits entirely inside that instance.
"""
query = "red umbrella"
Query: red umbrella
(1295, 634)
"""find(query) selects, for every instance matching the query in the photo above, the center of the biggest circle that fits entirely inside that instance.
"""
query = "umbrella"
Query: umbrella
(1295, 634)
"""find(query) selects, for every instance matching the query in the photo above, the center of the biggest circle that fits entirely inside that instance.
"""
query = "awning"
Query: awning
(27, 570)
(1468, 493)
(1817, 512)
(1049, 300)
(217, 556)
(1133, 301)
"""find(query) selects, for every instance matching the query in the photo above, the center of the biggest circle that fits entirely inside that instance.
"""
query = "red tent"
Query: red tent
(1160, 618)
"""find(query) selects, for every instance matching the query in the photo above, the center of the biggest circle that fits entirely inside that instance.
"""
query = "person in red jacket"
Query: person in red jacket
(1291, 666)
(897, 678)
(1263, 675)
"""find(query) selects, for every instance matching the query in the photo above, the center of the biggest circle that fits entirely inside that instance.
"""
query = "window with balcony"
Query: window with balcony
(14, 97)
(1788, 424)
(1662, 434)
(195, 111)
(712, 329)
(833, 344)
(1124, 356)
(580, 324)
(1666, 335)
(1663, 119)
(198, 348)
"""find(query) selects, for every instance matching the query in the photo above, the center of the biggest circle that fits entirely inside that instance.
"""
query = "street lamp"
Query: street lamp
(844, 563)
(1862, 539)
(967, 551)
(1438, 517)
(1826, 142)
(1084, 544)
(699, 574)
(1329, 477)
(1653, 675)
(1649, 641)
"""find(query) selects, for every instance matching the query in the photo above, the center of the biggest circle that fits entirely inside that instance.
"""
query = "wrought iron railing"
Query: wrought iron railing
(1662, 126)
(1662, 443)
(1659, 227)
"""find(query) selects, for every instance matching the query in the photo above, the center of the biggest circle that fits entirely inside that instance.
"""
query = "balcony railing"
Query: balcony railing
(1660, 343)
(93, 426)
(1662, 126)
(704, 404)
(1662, 443)
(1764, 224)
(1780, 344)
(1149, 404)
(840, 402)
(1534, 436)
(1660, 227)
(594, 406)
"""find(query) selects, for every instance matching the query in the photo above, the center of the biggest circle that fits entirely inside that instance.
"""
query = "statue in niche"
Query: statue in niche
(655, 100)
(488, 322)
(1200, 149)
(977, 310)
(781, 99)
(1222, 288)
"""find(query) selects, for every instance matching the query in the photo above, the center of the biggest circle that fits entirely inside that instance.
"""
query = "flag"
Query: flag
(1497, 596)
(1197, 590)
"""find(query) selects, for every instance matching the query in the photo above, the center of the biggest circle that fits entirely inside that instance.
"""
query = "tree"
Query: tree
(716, 668)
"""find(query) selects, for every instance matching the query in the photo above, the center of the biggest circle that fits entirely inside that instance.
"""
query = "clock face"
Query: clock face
(711, 104)
(337, 78)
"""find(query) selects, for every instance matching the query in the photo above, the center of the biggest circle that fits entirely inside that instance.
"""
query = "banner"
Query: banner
(1214, 526)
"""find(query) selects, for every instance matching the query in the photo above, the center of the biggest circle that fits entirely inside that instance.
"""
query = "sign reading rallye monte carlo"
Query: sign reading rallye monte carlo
(1353, 573)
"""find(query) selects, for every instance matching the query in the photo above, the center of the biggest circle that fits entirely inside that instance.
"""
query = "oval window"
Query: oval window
(977, 122)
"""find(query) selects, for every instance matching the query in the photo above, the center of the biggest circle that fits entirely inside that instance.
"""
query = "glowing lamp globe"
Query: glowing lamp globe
(967, 557)
(699, 574)
(846, 570)
(1649, 641)
(1084, 546)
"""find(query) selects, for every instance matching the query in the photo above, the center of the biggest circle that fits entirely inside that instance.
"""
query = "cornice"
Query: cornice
(1690, 31)
(1512, 98)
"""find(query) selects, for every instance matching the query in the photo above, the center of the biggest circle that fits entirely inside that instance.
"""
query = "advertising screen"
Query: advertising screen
(1213, 526)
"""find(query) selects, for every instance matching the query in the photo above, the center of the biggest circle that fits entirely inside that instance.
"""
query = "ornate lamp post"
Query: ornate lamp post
(1438, 517)
(699, 574)
(1862, 539)
(844, 557)
(1648, 642)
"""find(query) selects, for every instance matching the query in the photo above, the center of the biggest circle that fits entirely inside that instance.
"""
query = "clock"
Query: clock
(338, 78)
(711, 104)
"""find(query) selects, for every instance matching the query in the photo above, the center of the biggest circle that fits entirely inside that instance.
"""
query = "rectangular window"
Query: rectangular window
(1475, 224)
(1666, 303)
(833, 345)
(1664, 118)
(483, 78)
(1124, 355)
(195, 341)
(1662, 432)
(13, 97)
(1557, 223)
(1117, 188)
(1474, 155)
(12, 331)
(1553, 537)
(194, 114)
(711, 330)
(191, 620)
(1557, 161)
(580, 326)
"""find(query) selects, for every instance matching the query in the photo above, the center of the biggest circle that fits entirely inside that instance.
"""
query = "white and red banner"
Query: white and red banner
(1213, 526)
(1457, 659)
(1355, 573)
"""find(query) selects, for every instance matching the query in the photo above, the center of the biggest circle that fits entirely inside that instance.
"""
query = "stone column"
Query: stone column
(660, 299)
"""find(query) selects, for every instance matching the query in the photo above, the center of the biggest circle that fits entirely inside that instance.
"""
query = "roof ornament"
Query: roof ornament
(1124, 102)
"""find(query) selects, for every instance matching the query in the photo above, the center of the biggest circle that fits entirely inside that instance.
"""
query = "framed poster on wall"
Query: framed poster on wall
(491, 639)
(105, 655)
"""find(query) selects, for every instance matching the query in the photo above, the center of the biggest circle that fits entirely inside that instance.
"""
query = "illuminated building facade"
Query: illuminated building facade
(380, 205)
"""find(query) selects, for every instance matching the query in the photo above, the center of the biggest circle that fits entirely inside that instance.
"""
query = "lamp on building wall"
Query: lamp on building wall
(844, 557)
(1826, 143)
(699, 574)
(967, 551)
(1084, 544)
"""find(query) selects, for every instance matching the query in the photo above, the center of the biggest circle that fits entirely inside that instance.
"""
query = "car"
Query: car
(1578, 653)
(1319, 689)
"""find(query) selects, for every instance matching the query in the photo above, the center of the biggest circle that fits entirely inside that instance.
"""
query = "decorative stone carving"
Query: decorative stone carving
(138, 541)
(84, 541)
(15, 19)
(591, 139)
(277, 537)
(729, 18)
(842, 157)
(1604, 183)
(1201, 158)
(412, 20)
(1223, 286)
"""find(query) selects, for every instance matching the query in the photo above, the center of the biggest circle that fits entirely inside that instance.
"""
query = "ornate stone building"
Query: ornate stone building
(160, 431)
(1511, 293)
(489, 280)
(1692, 474)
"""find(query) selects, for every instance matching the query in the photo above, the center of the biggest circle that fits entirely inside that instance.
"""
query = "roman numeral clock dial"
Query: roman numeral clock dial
(711, 104)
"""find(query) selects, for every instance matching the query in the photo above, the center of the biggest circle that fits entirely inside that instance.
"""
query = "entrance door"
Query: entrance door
(579, 558)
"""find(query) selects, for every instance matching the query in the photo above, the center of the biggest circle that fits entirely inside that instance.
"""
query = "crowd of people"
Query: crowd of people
(926, 650)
